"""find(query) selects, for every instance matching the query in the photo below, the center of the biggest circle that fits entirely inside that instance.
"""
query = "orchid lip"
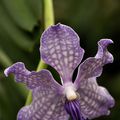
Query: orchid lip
(73, 109)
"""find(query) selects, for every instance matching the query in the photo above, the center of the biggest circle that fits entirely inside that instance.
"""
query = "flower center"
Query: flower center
(72, 105)
(70, 92)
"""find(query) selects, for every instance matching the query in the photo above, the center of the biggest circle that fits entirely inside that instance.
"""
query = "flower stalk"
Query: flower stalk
(48, 21)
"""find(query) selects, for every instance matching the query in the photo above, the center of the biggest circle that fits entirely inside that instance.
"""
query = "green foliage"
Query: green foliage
(20, 26)
(18, 21)
(20, 13)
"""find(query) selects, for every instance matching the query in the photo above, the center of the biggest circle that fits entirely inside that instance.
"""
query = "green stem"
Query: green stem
(48, 13)
(48, 21)
(4, 59)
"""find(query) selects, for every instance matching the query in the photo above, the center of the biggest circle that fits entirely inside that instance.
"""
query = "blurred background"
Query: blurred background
(21, 25)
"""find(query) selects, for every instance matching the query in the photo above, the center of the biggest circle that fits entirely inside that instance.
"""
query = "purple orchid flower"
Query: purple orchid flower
(81, 99)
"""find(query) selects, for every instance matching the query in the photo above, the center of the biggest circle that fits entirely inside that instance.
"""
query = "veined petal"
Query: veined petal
(46, 105)
(92, 67)
(103, 52)
(32, 79)
(94, 100)
(60, 48)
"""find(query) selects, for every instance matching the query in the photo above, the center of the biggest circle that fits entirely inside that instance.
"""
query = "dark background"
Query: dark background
(21, 25)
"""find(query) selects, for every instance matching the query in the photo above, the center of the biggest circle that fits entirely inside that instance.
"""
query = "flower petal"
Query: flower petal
(60, 48)
(94, 100)
(103, 52)
(46, 105)
(32, 79)
(92, 67)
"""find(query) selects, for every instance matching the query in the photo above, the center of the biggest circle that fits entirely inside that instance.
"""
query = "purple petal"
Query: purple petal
(103, 52)
(60, 48)
(46, 105)
(95, 100)
(32, 79)
(92, 67)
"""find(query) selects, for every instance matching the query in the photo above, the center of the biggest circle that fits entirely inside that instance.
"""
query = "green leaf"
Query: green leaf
(20, 13)
(10, 99)
(16, 34)
(4, 59)
(36, 8)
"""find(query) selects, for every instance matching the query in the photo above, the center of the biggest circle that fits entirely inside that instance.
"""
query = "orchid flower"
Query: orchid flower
(80, 99)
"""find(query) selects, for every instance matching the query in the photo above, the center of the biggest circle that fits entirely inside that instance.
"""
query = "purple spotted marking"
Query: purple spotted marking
(83, 99)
